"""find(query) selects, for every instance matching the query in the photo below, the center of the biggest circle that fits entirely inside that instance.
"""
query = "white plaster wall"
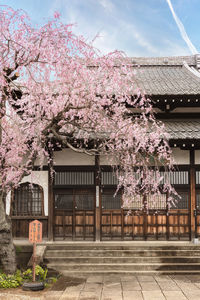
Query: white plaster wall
(8, 201)
(197, 157)
(37, 177)
(68, 157)
(107, 160)
(181, 157)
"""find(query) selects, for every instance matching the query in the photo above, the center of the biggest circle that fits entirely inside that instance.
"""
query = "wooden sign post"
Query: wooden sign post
(35, 236)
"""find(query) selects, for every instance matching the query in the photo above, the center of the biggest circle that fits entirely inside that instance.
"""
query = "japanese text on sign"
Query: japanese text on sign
(35, 232)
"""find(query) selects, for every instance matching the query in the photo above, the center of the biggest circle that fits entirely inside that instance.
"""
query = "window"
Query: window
(110, 200)
(181, 201)
(78, 199)
(153, 202)
(28, 200)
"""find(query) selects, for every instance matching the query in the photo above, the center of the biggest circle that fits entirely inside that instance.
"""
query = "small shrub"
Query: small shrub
(17, 279)
(10, 281)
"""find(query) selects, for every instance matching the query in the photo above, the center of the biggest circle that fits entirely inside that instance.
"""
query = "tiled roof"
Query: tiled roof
(166, 75)
(183, 129)
(167, 80)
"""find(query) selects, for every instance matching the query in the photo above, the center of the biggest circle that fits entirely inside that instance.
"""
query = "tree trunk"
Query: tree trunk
(7, 249)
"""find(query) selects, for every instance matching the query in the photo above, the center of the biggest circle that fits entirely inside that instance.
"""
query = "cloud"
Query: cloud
(106, 4)
(182, 29)
(120, 26)
(136, 36)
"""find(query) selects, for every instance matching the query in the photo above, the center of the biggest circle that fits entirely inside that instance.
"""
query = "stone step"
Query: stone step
(113, 272)
(103, 246)
(116, 260)
(128, 258)
(125, 267)
(120, 253)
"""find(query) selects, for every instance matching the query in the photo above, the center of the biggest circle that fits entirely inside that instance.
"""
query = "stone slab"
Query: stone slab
(150, 286)
(153, 295)
(130, 295)
(172, 295)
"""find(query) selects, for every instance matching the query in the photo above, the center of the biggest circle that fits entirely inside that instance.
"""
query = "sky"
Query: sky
(137, 27)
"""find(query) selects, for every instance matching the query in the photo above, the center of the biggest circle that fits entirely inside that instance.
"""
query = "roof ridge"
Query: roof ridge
(163, 61)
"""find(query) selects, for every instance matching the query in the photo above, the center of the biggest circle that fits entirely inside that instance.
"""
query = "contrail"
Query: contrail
(182, 29)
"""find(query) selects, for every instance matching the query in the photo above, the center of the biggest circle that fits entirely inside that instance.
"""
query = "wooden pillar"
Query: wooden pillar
(98, 198)
(192, 193)
(50, 208)
(145, 216)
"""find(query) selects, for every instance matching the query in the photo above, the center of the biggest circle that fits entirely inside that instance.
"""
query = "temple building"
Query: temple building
(80, 205)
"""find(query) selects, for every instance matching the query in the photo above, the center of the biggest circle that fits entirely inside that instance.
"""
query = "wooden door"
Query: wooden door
(111, 226)
(156, 221)
(74, 214)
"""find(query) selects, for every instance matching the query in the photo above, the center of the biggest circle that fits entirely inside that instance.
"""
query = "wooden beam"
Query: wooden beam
(98, 198)
(50, 208)
(192, 193)
(145, 217)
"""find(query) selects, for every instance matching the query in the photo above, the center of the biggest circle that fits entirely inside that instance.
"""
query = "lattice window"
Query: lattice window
(78, 199)
(74, 178)
(153, 202)
(181, 201)
(110, 200)
(28, 200)
(64, 201)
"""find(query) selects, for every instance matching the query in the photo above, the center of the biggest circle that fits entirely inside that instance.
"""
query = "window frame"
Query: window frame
(18, 214)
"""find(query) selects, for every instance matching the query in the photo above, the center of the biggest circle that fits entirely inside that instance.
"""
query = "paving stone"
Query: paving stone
(112, 285)
(162, 278)
(132, 295)
(131, 286)
(168, 286)
(111, 293)
(106, 291)
(71, 296)
(171, 295)
(53, 295)
(112, 298)
(97, 279)
(89, 296)
(145, 278)
(153, 295)
(197, 284)
(187, 286)
(130, 278)
(73, 289)
(92, 287)
(182, 278)
(150, 286)
(192, 295)
(111, 279)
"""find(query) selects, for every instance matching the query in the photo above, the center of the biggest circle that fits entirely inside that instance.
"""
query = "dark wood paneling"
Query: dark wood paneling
(75, 219)
(20, 226)
(141, 225)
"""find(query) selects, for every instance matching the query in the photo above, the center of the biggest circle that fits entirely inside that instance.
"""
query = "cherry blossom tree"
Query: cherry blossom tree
(58, 91)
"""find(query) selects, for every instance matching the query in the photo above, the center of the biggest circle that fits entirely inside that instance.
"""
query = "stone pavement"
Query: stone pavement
(118, 287)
